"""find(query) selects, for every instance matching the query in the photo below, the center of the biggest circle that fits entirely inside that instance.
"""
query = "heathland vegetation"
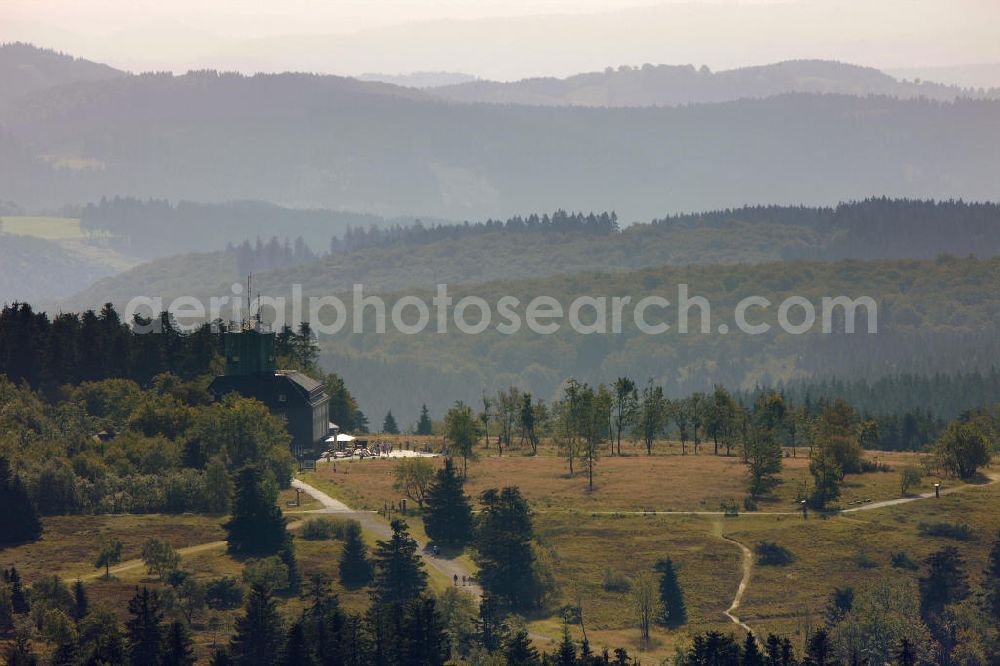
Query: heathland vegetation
(619, 461)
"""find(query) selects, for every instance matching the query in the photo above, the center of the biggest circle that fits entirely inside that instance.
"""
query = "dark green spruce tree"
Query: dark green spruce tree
(389, 426)
(399, 573)
(297, 652)
(178, 647)
(566, 654)
(81, 602)
(145, 627)
(674, 613)
(518, 649)
(751, 652)
(257, 526)
(425, 640)
(355, 567)
(447, 512)
(259, 635)
(504, 550)
(424, 425)
(19, 521)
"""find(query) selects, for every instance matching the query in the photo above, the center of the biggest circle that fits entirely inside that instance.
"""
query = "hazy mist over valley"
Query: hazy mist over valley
(497, 332)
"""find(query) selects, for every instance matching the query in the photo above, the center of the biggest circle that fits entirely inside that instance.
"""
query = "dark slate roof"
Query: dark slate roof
(307, 383)
(298, 389)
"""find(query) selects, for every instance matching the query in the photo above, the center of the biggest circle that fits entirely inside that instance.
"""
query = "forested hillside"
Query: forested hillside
(25, 69)
(936, 315)
(419, 256)
(324, 142)
(156, 228)
(34, 269)
(667, 85)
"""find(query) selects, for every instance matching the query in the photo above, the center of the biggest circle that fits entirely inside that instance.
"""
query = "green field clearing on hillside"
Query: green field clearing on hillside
(46, 228)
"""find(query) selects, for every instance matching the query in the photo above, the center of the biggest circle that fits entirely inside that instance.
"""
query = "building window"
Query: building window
(282, 397)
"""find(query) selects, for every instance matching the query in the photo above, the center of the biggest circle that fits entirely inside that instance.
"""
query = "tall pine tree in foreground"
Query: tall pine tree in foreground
(518, 649)
(399, 573)
(257, 526)
(355, 568)
(504, 551)
(19, 518)
(178, 646)
(447, 513)
(674, 613)
(259, 633)
(144, 627)
(751, 652)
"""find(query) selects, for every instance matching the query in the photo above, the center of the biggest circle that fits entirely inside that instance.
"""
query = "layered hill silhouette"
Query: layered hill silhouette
(331, 142)
(26, 69)
(671, 85)
(561, 244)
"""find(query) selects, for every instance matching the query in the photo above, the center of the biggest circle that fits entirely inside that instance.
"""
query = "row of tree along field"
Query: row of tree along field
(587, 423)
(173, 446)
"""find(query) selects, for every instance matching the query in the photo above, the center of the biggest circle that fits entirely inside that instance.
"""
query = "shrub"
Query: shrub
(957, 531)
(615, 581)
(901, 560)
(224, 593)
(269, 572)
(326, 528)
(867, 466)
(864, 560)
(749, 503)
(908, 478)
(771, 554)
(160, 558)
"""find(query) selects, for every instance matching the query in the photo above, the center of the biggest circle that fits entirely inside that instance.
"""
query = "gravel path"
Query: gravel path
(371, 522)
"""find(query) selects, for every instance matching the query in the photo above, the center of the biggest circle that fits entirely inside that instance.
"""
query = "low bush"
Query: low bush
(771, 554)
(867, 466)
(615, 581)
(325, 528)
(224, 593)
(901, 560)
(956, 531)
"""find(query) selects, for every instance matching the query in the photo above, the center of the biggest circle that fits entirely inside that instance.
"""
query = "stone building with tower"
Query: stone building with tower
(251, 372)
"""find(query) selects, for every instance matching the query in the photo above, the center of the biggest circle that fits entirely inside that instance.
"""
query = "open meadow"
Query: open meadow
(645, 508)
(46, 228)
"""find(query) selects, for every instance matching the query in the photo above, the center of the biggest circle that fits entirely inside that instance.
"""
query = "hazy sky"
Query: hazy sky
(503, 38)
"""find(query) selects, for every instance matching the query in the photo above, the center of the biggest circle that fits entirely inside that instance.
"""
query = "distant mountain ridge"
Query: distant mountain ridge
(27, 69)
(422, 80)
(329, 142)
(671, 85)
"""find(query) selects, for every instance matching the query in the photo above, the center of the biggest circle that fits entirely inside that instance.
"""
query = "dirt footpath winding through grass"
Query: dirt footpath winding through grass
(747, 567)
(128, 565)
(450, 568)
(744, 583)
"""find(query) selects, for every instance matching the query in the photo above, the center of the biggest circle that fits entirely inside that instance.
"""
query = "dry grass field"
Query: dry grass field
(584, 535)
(665, 481)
